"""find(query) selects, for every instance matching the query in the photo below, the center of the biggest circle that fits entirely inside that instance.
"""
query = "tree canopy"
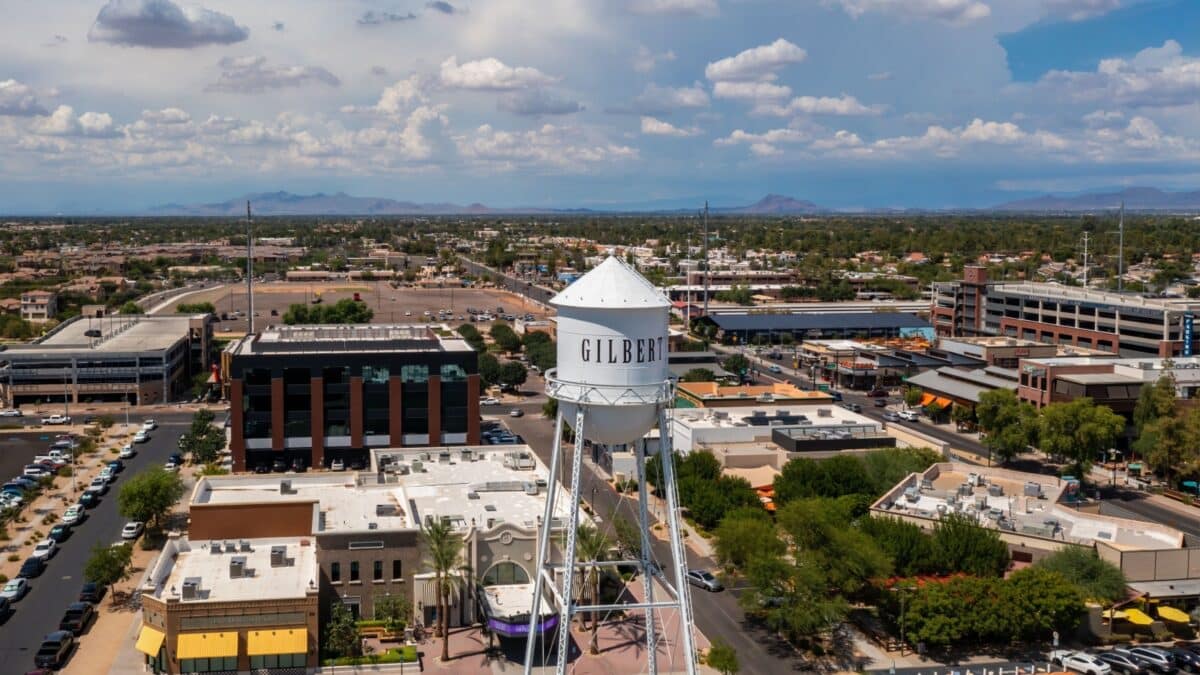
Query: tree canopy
(1096, 579)
(342, 311)
(150, 495)
(1079, 431)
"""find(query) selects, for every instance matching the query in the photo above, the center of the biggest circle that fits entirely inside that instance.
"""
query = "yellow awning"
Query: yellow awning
(943, 402)
(150, 641)
(206, 645)
(1114, 614)
(1137, 617)
(1172, 614)
(278, 641)
(926, 399)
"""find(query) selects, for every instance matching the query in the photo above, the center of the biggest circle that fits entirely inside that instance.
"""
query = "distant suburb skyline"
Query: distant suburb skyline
(120, 105)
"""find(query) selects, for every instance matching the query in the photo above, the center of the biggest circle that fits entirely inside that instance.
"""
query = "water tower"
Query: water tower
(612, 386)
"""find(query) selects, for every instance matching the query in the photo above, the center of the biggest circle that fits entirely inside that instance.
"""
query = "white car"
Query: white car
(98, 486)
(56, 419)
(132, 530)
(908, 416)
(1080, 662)
(11, 412)
(337, 465)
(489, 400)
(141, 437)
(74, 515)
(171, 466)
(149, 425)
(9, 500)
(108, 474)
(15, 589)
(45, 548)
(127, 451)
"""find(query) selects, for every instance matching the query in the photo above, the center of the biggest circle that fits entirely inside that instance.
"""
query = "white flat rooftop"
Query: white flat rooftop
(513, 600)
(817, 416)
(120, 333)
(184, 560)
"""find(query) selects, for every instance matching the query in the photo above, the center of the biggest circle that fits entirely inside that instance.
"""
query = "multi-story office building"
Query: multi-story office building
(320, 393)
(139, 359)
(1122, 323)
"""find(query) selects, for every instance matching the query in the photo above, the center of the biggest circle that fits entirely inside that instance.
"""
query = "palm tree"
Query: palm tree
(443, 555)
(591, 546)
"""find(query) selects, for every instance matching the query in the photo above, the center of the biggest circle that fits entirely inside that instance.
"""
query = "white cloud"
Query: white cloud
(537, 102)
(656, 100)
(841, 140)
(652, 126)
(952, 11)
(490, 74)
(1079, 10)
(680, 7)
(19, 100)
(558, 147)
(1155, 77)
(751, 91)
(1103, 118)
(765, 144)
(64, 122)
(881, 76)
(758, 63)
(397, 98)
(844, 106)
(163, 24)
(252, 75)
(645, 60)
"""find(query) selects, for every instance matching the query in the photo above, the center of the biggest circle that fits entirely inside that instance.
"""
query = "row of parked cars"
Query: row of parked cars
(57, 646)
(1131, 659)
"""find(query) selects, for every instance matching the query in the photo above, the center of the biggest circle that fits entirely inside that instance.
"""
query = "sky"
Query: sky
(120, 105)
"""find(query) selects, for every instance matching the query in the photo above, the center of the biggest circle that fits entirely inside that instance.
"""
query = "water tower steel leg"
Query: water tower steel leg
(647, 575)
(568, 582)
(543, 549)
(682, 592)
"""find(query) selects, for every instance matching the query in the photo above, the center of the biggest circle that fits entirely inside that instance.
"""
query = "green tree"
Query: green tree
(513, 373)
(792, 595)
(746, 534)
(591, 546)
(722, 658)
(1042, 601)
(1078, 430)
(1010, 425)
(822, 529)
(1096, 579)
(1169, 444)
(472, 336)
(962, 416)
(698, 375)
(628, 536)
(489, 369)
(505, 338)
(913, 396)
(394, 611)
(910, 549)
(195, 308)
(150, 495)
(736, 364)
(108, 564)
(341, 633)
(131, 307)
(444, 557)
(960, 545)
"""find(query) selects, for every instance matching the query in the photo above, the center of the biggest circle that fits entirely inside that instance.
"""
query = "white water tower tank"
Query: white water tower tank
(612, 352)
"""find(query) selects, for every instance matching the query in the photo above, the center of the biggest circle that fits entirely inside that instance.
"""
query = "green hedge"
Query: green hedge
(406, 654)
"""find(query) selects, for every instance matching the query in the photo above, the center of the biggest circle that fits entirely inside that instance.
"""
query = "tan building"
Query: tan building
(38, 305)
(247, 605)
(714, 395)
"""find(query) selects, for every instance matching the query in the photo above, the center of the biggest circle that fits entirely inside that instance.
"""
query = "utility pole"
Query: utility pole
(688, 286)
(1121, 250)
(706, 258)
(1085, 260)
(249, 271)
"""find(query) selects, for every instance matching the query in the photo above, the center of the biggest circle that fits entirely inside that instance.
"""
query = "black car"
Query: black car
(77, 617)
(298, 465)
(117, 466)
(55, 649)
(89, 500)
(6, 608)
(32, 567)
(1187, 659)
(176, 458)
(262, 468)
(279, 466)
(357, 465)
(1122, 663)
(59, 533)
(91, 592)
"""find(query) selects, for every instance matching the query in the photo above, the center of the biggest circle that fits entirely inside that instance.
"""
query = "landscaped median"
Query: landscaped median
(405, 654)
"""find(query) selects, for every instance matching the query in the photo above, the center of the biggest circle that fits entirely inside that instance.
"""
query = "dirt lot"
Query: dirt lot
(391, 305)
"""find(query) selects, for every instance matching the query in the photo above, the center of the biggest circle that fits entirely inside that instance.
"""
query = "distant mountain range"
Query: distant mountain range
(1135, 198)
(320, 204)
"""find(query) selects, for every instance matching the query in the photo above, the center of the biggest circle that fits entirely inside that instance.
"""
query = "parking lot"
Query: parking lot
(390, 305)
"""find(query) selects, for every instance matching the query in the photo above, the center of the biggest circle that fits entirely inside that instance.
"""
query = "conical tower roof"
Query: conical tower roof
(611, 285)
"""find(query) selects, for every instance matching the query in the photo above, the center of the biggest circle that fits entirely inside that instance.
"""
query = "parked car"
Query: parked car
(852, 407)
(337, 465)
(881, 403)
(262, 468)
(15, 589)
(116, 465)
(35, 470)
(1080, 662)
(516, 412)
(55, 649)
(77, 617)
(107, 474)
(171, 465)
(141, 437)
(1187, 659)
(774, 368)
(299, 466)
(878, 393)
(89, 500)
(149, 425)
(489, 400)
(45, 548)
(357, 465)
(74, 515)
(56, 420)
(91, 592)
(279, 466)
(1158, 660)
(32, 567)
(704, 579)
(908, 416)
(11, 412)
(59, 532)
(98, 485)
(132, 530)
(127, 451)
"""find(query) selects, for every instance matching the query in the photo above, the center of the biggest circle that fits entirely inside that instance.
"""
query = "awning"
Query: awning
(943, 402)
(1114, 614)
(1137, 617)
(278, 641)
(1172, 614)
(149, 641)
(206, 645)
(927, 399)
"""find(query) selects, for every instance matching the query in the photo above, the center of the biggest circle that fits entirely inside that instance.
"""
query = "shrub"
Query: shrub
(13, 557)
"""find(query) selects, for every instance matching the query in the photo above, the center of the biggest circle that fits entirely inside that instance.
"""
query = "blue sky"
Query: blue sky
(116, 105)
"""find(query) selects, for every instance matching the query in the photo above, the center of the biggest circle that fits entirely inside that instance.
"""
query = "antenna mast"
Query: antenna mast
(249, 271)
(706, 257)
(1085, 259)
(1121, 250)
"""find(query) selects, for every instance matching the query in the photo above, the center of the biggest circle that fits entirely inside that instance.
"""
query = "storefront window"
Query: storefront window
(208, 665)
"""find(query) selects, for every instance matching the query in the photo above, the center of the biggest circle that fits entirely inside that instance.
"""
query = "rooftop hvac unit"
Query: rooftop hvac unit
(244, 545)
(926, 484)
(399, 468)
(372, 526)
(444, 457)
(237, 567)
(417, 466)
(285, 487)
(965, 489)
(912, 494)
(471, 494)
(466, 455)
(214, 547)
(191, 588)
(424, 456)
(759, 413)
(996, 490)
(980, 502)
(278, 556)
(530, 488)
(230, 547)
(1033, 489)
(824, 412)
(721, 415)
(783, 413)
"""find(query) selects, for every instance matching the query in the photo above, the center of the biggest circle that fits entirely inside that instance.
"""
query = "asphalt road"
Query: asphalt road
(527, 288)
(717, 615)
(39, 611)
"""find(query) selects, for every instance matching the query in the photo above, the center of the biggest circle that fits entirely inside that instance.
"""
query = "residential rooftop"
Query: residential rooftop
(110, 334)
(344, 338)
(208, 566)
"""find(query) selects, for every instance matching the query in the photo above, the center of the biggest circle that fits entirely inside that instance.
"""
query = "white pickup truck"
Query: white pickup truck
(56, 419)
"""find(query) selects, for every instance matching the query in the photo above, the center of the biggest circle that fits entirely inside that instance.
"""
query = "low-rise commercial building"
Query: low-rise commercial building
(716, 395)
(320, 393)
(768, 328)
(135, 358)
(1116, 383)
